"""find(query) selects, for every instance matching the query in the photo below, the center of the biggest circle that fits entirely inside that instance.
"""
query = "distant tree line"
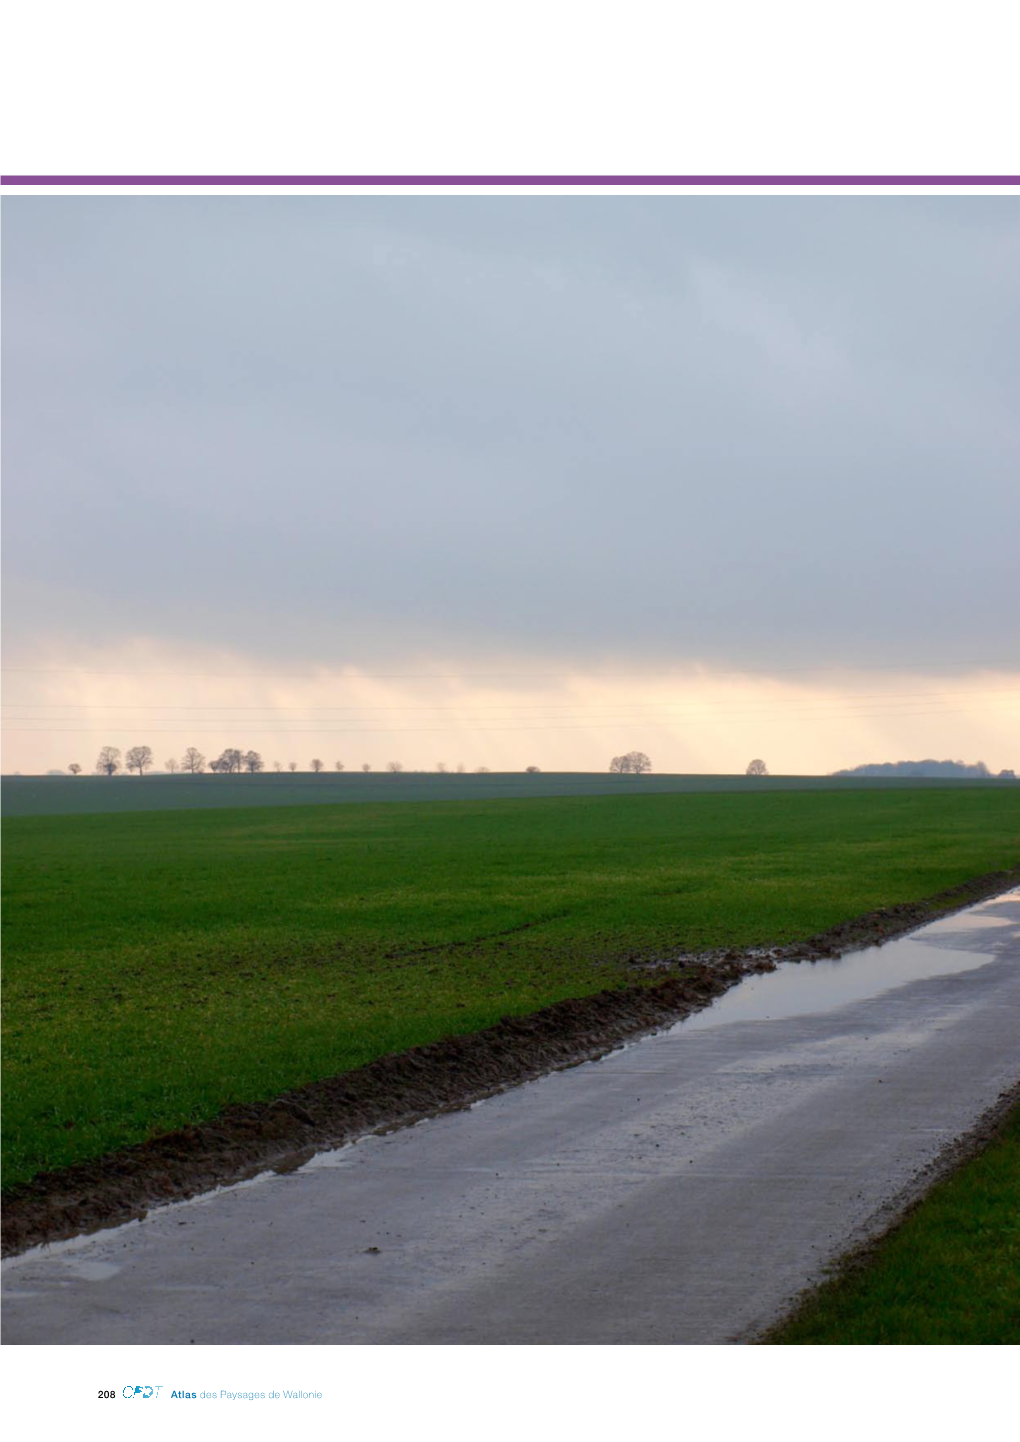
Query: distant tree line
(635, 763)
(925, 768)
(232, 761)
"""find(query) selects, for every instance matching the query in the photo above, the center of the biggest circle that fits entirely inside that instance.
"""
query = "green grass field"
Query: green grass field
(81, 795)
(160, 965)
(950, 1275)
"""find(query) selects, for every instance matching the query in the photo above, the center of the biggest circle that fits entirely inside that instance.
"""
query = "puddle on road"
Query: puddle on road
(800, 988)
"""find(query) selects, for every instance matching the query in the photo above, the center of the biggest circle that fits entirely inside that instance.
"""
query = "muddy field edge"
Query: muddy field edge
(402, 1088)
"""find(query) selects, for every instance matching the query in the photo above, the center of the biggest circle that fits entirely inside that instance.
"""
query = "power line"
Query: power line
(548, 706)
(596, 719)
(263, 729)
(969, 664)
(906, 704)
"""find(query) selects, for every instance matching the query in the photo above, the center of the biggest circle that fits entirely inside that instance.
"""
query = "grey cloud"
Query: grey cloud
(735, 429)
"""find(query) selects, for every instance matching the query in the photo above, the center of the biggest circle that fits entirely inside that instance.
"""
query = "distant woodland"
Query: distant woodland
(924, 768)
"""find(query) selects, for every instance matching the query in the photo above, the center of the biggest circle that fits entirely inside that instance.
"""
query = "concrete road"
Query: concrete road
(683, 1189)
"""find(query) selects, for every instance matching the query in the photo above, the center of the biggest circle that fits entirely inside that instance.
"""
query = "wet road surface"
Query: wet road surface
(683, 1189)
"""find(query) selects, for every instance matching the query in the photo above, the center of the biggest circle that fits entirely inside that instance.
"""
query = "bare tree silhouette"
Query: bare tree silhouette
(74, 768)
(633, 764)
(171, 765)
(394, 766)
(291, 765)
(366, 766)
(756, 767)
(108, 763)
(138, 758)
(316, 765)
(339, 765)
(193, 761)
(252, 762)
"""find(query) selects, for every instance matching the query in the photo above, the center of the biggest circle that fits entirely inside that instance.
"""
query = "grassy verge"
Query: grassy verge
(949, 1275)
(162, 965)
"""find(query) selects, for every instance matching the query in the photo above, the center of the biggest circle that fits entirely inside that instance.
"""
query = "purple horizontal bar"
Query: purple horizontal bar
(510, 180)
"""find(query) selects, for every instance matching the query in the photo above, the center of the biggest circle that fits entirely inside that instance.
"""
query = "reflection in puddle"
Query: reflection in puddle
(955, 944)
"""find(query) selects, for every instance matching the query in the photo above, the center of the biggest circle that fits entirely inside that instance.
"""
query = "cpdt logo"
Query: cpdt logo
(143, 1391)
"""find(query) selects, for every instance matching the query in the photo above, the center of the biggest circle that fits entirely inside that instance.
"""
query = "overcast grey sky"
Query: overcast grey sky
(556, 434)
(745, 430)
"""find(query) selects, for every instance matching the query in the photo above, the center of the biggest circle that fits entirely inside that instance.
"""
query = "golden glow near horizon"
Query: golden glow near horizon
(430, 710)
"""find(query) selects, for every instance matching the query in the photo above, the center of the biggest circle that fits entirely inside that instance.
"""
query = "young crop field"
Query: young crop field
(81, 795)
(162, 964)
